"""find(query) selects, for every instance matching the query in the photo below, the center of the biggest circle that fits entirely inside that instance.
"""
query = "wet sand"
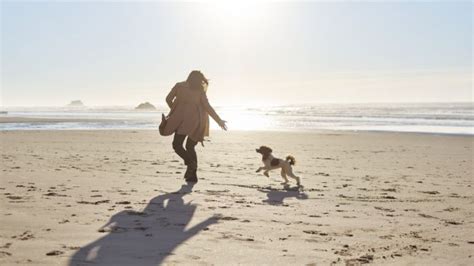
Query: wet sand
(117, 198)
(15, 119)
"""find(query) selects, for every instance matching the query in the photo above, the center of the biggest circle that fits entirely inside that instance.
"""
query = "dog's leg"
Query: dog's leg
(290, 173)
(259, 169)
(266, 173)
(283, 174)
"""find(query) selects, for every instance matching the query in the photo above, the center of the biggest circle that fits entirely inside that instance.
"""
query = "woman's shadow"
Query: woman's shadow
(146, 237)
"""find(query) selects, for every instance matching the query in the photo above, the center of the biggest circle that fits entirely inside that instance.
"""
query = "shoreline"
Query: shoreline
(302, 131)
(43, 120)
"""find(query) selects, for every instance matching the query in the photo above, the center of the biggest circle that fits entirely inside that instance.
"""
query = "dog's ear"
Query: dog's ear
(266, 149)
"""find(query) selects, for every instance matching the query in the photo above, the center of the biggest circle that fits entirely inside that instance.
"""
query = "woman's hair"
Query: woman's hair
(197, 80)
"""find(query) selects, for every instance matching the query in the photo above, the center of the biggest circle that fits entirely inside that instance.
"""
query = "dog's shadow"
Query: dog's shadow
(277, 196)
(144, 237)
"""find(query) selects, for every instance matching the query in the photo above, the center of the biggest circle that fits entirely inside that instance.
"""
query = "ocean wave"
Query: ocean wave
(454, 118)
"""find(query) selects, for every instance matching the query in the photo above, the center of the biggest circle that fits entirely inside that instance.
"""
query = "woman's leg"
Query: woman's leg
(190, 144)
(191, 172)
(178, 147)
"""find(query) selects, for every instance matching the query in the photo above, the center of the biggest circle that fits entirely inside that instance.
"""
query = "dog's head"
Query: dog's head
(264, 150)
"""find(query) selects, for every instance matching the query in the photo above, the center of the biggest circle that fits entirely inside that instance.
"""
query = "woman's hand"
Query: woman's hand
(222, 124)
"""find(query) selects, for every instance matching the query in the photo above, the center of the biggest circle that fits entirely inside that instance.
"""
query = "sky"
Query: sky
(254, 53)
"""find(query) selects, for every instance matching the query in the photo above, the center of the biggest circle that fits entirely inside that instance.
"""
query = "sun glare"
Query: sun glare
(243, 120)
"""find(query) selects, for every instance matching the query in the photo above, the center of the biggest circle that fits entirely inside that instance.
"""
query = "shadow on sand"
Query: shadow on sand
(277, 196)
(146, 237)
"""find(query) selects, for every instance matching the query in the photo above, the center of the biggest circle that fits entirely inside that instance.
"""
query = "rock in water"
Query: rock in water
(145, 106)
(76, 103)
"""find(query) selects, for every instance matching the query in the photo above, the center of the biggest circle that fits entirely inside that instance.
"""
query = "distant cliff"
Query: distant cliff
(145, 106)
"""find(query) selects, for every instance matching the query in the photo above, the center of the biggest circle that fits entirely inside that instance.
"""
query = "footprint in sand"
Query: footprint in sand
(7, 245)
(448, 222)
(4, 254)
(71, 247)
(384, 209)
(451, 209)
(427, 216)
(430, 192)
(361, 260)
(14, 197)
(228, 218)
(93, 202)
(311, 232)
(24, 236)
(54, 194)
(54, 253)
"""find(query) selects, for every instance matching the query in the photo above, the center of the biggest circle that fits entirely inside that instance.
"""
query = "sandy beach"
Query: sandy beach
(118, 198)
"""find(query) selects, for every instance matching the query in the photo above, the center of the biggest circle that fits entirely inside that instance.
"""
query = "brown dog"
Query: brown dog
(271, 163)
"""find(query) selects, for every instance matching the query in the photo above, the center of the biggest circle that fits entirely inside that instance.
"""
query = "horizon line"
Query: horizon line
(254, 105)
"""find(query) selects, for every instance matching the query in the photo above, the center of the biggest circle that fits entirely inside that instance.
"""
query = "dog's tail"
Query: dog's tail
(291, 159)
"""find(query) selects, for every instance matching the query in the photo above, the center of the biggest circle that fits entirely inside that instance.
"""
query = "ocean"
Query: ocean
(436, 118)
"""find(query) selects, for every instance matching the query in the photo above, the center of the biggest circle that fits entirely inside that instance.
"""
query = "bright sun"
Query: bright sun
(240, 12)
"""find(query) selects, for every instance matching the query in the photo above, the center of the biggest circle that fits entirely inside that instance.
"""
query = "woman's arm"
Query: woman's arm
(171, 96)
(212, 112)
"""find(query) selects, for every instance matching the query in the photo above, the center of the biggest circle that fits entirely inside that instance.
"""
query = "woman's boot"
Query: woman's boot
(190, 174)
(195, 177)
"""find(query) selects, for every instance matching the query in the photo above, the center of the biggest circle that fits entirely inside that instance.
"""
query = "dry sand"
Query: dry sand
(117, 198)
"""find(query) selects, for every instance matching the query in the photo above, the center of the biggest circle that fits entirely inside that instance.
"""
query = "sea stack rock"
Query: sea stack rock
(76, 103)
(145, 106)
